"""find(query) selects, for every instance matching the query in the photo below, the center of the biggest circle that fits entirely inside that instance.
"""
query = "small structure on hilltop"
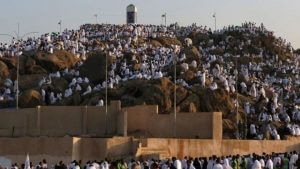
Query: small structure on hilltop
(131, 14)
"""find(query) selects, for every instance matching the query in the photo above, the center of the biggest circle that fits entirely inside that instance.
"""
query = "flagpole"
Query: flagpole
(175, 111)
(18, 68)
(166, 19)
(106, 78)
(96, 16)
(215, 16)
(59, 26)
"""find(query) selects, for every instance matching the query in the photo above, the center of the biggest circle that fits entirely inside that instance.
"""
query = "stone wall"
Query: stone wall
(145, 121)
(207, 147)
(74, 148)
(140, 121)
(58, 121)
(41, 132)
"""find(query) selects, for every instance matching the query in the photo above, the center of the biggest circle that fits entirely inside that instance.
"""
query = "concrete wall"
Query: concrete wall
(16, 123)
(52, 149)
(145, 120)
(57, 121)
(203, 147)
(55, 149)
(68, 148)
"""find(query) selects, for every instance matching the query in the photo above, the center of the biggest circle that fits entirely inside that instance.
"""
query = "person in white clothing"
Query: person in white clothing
(262, 162)
(269, 164)
(226, 164)
(293, 160)
(176, 163)
(218, 164)
(184, 163)
(210, 163)
(256, 165)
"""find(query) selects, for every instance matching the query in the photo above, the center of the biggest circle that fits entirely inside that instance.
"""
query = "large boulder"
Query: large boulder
(73, 100)
(30, 66)
(30, 98)
(30, 81)
(94, 67)
(157, 92)
(4, 71)
(10, 62)
(36, 69)
(192, 53)
(198, 37)
(212, 101)
(189, 104)
(155, 43)
(59, 60)
(168, 41)
(59, 84)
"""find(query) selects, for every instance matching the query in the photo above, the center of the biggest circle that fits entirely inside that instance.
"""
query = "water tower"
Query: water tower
(131, 14)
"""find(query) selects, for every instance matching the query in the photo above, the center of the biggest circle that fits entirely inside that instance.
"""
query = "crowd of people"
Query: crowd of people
(251, 161)
(234, 59)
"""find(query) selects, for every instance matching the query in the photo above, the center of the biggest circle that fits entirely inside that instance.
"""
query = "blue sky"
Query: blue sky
(281, 16)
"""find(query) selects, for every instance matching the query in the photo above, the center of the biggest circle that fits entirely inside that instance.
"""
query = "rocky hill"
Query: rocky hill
(234, 47)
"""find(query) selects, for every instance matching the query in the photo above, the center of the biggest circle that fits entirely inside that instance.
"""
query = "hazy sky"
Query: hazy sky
(281, 16)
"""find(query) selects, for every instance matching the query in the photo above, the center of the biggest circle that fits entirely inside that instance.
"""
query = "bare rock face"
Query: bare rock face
(30, 81)
(211, 101)
(59, 60)
(4, 71)
(59, 85)
(30, 98)
(10, 62)
(167, 41)
(192, 53)
(30, 66)
(192, 108)
(94, 67)
(155, 43)
(189, 104)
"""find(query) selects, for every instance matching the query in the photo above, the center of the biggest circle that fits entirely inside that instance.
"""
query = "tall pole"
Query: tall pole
(216, 23)
(96, 16)
(165, 19)
(60, 22)
(106, 93)
(18, 68)
(175, 112)
(215, 16)
(237, 96)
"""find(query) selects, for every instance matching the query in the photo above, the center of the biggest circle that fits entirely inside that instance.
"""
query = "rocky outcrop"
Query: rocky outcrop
(4, 71)
(30, 81)
(30, 98)
(59, 60)
(167, 41)
(192, 53)
(94, 67)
